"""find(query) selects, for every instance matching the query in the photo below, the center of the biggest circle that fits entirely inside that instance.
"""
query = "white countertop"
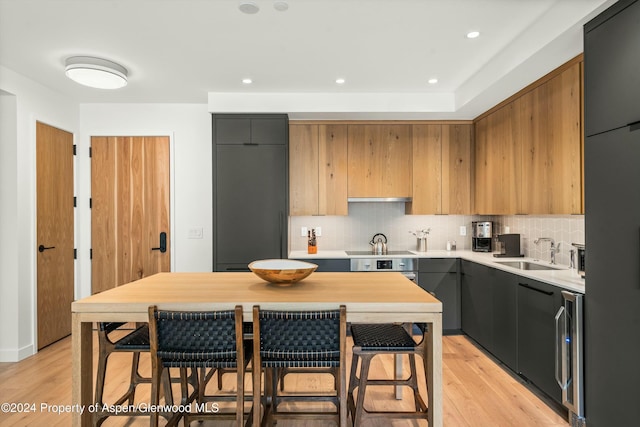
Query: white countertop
(563, 277)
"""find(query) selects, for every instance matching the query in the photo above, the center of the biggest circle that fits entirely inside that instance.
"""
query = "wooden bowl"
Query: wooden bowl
(282, 271)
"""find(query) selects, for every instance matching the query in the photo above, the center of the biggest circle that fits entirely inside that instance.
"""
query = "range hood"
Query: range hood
(378, 199)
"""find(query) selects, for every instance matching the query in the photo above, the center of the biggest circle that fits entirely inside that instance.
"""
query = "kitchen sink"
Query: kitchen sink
(526, 265)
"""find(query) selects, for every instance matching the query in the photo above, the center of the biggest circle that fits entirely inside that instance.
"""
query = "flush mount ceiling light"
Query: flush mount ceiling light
(340, 81)
(433, 81)
(95, 72)
(248, 7)
(247, 81)
(473, 34)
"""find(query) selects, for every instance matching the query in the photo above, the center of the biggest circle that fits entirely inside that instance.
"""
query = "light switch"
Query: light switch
(463, 230)
(195, 233)
(318, 231)
(303, 231)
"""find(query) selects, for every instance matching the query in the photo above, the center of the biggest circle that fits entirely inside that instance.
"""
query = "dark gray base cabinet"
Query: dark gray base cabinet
(339, 265)
(440, 276)
(538, 304)
(488, 306)
(514, 319)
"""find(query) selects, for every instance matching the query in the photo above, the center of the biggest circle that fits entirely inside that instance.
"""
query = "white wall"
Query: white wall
(27, 102)
(189, 126)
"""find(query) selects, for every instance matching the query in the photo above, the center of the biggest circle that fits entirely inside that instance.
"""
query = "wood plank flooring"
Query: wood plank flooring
(478, 392)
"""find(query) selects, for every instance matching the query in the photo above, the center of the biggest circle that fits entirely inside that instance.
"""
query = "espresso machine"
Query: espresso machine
(481, 236)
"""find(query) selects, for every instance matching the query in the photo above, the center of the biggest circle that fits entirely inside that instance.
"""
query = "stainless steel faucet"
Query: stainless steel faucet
(552, 248)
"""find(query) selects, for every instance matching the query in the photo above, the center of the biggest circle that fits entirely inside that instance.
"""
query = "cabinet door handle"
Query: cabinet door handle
(560, 368)
(634, 126)
(525, 285)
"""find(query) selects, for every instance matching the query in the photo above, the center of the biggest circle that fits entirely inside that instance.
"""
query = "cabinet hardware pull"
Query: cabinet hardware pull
(525, 285)
(634, 126)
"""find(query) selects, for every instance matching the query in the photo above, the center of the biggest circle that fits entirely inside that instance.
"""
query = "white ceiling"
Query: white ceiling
(198, 51)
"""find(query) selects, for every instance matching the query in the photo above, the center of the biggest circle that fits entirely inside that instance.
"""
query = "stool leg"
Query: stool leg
(102, 372)
(413, 381)
(364, 374)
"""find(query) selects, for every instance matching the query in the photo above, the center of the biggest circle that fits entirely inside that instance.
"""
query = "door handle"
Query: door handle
(43, 248)
(163, 243)
(560, 367)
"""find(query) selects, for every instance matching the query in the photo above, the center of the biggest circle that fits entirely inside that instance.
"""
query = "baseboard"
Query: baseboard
(16, 355)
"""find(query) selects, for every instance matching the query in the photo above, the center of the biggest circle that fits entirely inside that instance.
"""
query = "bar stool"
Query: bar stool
(371, 340)
(303, 340)
(198, 340)
(134, 342)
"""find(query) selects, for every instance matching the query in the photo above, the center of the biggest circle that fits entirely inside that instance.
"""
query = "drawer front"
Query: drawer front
(438, 265)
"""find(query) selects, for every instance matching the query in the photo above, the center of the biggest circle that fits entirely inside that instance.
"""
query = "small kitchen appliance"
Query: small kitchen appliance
(580, 264)
(378, 247)
(569, 356)
(481, 236)
(509, 245)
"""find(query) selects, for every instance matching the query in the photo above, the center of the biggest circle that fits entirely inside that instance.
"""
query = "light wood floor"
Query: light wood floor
(478, 392)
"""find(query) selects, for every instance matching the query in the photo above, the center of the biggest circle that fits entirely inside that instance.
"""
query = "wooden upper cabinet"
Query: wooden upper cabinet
(317, 169)
(379, 159)
(552, 150)
(457, 169)
(427, 170)
(303, 169)
(529, 151)
(497, 167)
(332, 164)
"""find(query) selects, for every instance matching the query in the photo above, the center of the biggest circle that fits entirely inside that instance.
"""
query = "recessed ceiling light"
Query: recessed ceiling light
(340, 81)
(281, 6)
(96, 72)
(473, 34)
(433, 81)
(248, 7)
(247, 81)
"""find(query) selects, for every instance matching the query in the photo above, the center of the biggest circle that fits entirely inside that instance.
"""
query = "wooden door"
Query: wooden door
(456, 169)
(54, 205)
(130, 209)
(332, 169)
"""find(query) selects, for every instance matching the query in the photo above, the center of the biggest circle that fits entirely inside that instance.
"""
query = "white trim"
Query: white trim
(16, 355)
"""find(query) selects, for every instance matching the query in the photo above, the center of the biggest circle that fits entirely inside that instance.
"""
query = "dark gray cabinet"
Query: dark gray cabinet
(331, 265)
(231, 129)
(611, 62)
(440, 276)
(250, 186)
(538, 304)
(489, 316)
(505, 320)
(612, 216)
(476, 302)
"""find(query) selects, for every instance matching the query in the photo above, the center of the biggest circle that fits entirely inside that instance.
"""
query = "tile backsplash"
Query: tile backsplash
(353, 232)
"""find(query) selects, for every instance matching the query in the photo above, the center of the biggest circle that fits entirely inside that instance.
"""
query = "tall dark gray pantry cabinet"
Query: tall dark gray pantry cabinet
(612, 216)
(250, 189)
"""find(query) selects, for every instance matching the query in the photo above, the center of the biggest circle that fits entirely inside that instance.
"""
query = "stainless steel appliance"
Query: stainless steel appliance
(481, 236)
(569, 356)
(407, 266)
(509, 245)
(580, 262)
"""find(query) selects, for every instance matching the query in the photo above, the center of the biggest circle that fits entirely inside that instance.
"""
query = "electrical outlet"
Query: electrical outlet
(463, 230)
(318, 231)
(303, 231)
(506, 229)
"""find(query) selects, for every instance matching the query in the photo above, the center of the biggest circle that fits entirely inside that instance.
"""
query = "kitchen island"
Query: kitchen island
(379, 298)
